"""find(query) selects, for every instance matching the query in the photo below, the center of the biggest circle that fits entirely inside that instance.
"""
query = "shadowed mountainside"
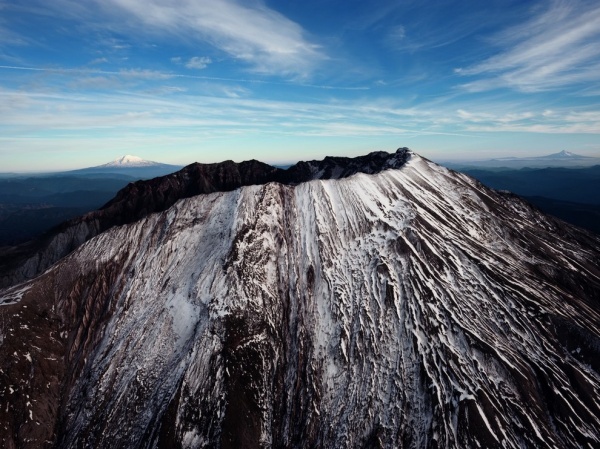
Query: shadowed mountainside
(412, 307)
(138, 199)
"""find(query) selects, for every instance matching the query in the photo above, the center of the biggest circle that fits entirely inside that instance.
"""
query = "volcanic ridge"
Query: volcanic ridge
(374, 302)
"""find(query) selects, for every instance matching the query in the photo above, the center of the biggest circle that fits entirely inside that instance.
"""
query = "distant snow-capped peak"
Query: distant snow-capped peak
(130, 161)
(564, 154)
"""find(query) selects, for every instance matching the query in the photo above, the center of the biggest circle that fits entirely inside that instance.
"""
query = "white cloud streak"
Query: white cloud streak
(36, 122)
(558, 48)
(24, 114)
(198, 62)
(98, 61)
(158, 75)
(248, 31)
(544, 121)
(10, 38)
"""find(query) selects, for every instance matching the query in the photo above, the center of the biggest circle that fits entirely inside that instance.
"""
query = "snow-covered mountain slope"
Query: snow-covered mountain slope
(408, 308)
(141, 198)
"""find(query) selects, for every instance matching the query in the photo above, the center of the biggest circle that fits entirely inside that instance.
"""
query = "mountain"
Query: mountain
(131, 161)
(561, 159)
(128, 165)
(565, 155)
(31, 205)
(566, 184)
(572, 194)
(138, 199)
(382, 301)
(562, 155)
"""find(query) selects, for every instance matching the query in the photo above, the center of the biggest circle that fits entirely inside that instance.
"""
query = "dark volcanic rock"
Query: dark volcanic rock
(141, 198)
(408, 308)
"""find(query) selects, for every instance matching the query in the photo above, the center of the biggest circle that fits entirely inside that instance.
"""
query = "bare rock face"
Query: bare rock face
(407, 307)
(141, 198)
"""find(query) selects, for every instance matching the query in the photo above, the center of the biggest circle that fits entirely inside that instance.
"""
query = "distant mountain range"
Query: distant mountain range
(561, 155)
(560, 159)
(564, 155)
(581, 185)
(133, 166)
(570, 193)
(31, 204)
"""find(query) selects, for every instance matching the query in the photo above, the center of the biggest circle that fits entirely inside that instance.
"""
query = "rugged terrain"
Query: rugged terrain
(378, 302)
(32, 204)
(138, 199)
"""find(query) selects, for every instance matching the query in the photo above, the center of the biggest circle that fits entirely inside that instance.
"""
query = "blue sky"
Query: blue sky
(83, 82)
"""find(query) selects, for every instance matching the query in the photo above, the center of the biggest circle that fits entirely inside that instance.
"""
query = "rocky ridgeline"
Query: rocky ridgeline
(409, 307)
(141, 198)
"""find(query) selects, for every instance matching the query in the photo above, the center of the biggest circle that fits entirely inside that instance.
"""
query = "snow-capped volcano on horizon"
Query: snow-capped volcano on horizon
(131, 161)
(129, 165)
(563, 158)
(564, 154)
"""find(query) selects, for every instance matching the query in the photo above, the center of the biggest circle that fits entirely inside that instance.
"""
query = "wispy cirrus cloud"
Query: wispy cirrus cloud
(98, 61)
(266, 40)
(479, 117)
(217, 116)
(145, 74)
(162, 75)
(171, 117)
(557, 48)
(198, 62)
(134, 73)
(544, 121)
(9, 37)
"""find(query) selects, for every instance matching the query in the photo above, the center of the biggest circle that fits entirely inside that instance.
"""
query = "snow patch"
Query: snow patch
(14, 294)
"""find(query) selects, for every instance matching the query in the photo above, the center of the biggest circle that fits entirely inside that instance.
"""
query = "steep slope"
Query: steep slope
(30, 206)
(408, 308)
(585, 216)
(571, 194)
(141, 198)
(581, 185)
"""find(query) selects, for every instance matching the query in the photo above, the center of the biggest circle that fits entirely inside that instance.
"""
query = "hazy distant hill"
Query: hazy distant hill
(580, 185)
(32, 204)
(571, 194)
(133, 166)
(563, 159)
(583, 215)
